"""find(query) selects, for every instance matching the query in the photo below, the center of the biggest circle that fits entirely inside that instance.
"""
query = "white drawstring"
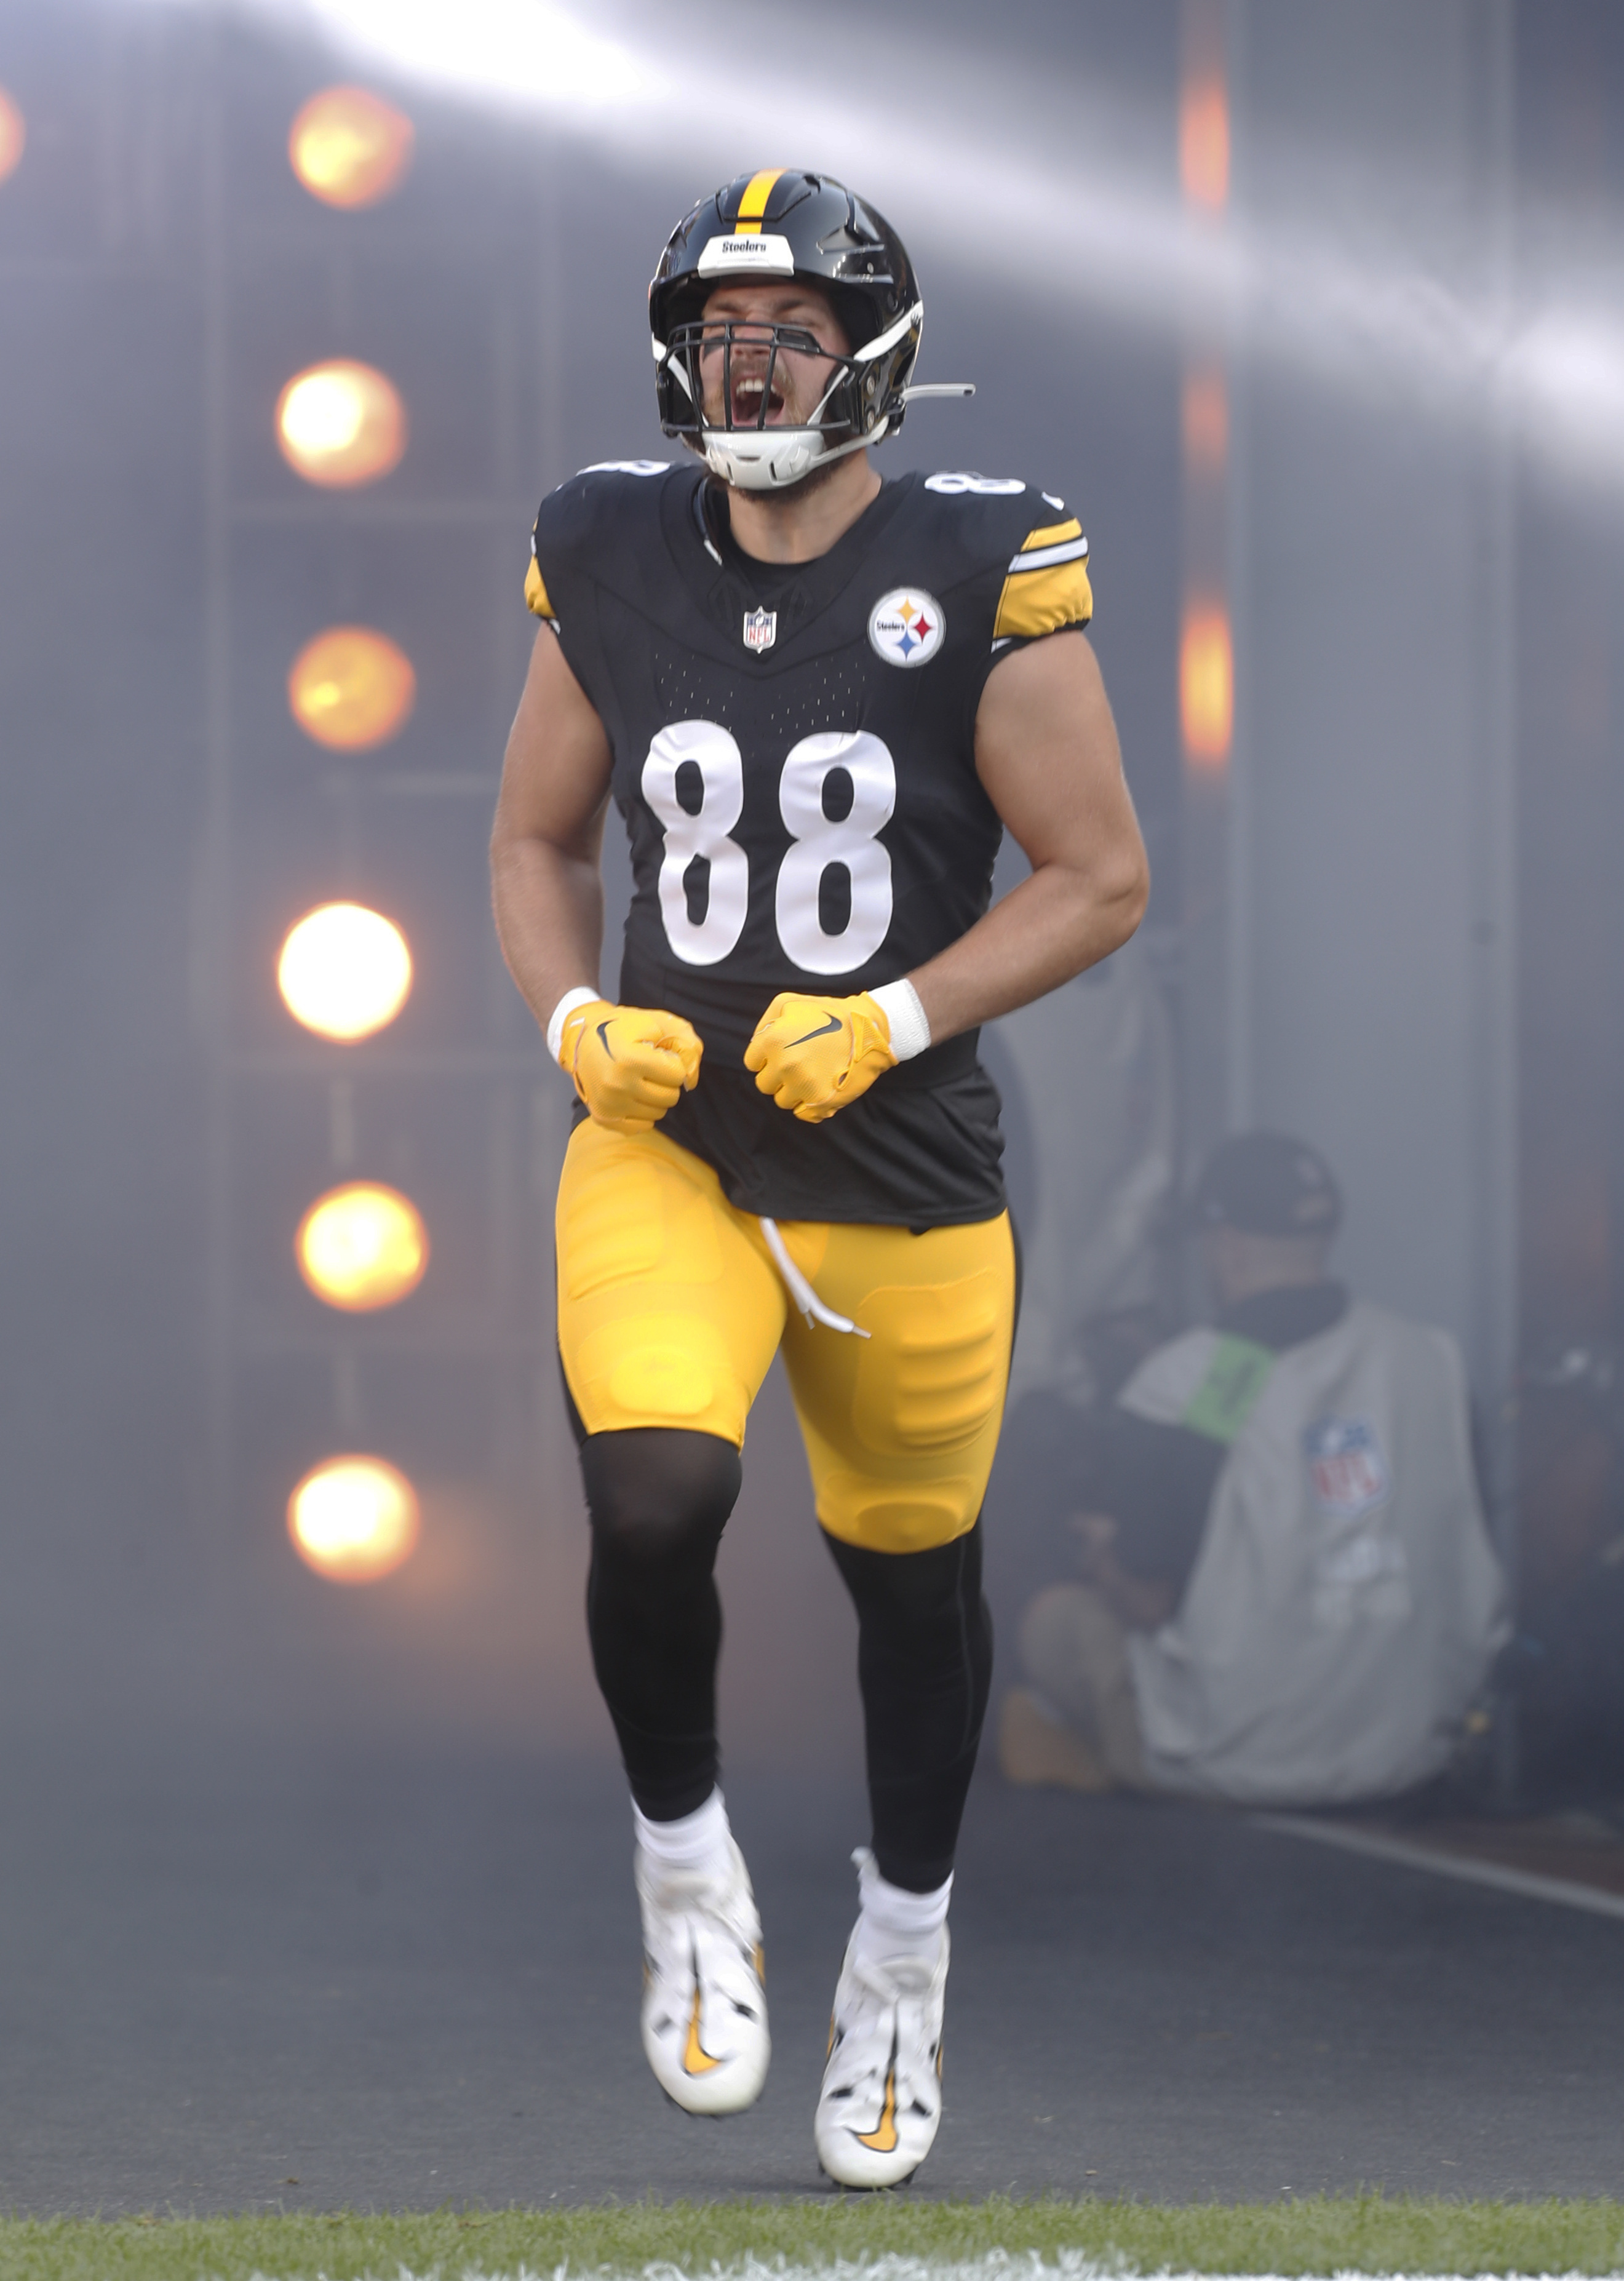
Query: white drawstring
(801, 1291)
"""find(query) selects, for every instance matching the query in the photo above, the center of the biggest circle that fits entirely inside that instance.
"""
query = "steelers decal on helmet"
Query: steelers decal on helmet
(906, 626)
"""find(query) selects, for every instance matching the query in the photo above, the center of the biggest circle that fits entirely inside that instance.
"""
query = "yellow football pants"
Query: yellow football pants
(670, 1310)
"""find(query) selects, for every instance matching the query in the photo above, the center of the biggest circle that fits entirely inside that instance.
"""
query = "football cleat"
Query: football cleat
(881, 2101)
(704, 1997)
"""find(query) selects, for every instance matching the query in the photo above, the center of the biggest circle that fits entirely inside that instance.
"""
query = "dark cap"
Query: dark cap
(1266, 1184)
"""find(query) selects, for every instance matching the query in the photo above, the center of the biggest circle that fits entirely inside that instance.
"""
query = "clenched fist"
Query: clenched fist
(815, 1055)
(629, 1063)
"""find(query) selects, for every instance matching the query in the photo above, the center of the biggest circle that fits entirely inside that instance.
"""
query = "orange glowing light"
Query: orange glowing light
(340, 424)
(353, 1518)
(350, 148)
(1207, 684)
(351, 688)
(1204, 142)
(1205, 421)
(13, 135)
(344, 971)
(362, 1246)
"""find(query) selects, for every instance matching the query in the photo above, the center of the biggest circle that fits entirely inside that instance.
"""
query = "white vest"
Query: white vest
(1345, 1604)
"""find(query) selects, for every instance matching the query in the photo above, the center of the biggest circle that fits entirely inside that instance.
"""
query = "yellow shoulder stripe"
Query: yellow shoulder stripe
(1040, 601)
(1052, 534)
(535, 592)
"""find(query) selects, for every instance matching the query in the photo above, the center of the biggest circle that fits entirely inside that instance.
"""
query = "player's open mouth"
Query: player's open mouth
(748, 403)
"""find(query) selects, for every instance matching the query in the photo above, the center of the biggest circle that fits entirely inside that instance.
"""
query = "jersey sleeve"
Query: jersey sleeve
(1046, 584)
(564, 541)
(1021, 566)
(575, 548)
(537, 597)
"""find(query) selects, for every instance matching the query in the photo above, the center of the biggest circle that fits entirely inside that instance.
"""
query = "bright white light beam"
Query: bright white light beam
(1376, 317)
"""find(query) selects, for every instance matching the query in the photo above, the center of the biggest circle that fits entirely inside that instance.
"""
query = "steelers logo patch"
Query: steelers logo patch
(906, 626)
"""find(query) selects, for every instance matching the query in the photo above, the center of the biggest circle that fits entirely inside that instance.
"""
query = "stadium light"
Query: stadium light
(1204, 142)
(1204, 420)
(348, 147)
(340, 424)
(353, 1518)
(351, 688)
(362, 1247)
(1362, 311)
(344, 971)
(1206, 684)
(13, 134)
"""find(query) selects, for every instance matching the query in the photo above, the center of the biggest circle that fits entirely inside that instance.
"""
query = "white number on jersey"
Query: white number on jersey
(994, 486)
(692, 834)
(819, 843)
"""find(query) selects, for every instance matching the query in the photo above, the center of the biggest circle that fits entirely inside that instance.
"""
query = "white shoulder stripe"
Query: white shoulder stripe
(1043, 557)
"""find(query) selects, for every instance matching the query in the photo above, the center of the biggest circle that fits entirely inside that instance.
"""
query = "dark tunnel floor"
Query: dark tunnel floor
(403, 1983)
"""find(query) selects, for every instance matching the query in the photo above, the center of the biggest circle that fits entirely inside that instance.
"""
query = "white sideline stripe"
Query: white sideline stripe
(1526, 1882)
(997, 2265)
(1041, 557)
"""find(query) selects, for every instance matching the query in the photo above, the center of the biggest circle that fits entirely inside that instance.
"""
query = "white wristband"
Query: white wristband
(561, 1013)
(910, 1033)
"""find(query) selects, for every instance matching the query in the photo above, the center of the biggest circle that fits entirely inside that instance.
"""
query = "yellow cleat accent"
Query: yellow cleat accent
(696, 2059)
(882, 2137)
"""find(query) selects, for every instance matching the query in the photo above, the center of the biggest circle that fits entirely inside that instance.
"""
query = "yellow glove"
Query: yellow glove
(814, 1054)
(629, 1063)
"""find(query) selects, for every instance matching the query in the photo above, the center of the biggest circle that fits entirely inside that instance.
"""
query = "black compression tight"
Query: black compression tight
(658, 1499)
(924, 1665)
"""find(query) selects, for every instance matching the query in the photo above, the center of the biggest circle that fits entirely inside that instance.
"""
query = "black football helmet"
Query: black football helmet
(779, 224)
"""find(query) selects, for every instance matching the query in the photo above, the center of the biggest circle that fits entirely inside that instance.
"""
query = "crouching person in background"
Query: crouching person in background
(1286, 1594)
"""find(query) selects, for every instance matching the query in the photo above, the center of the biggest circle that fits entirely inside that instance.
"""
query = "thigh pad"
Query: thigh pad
(901, 1428)
(669, 1309)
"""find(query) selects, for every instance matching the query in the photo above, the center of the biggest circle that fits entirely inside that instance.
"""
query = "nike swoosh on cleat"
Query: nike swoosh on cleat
(696, 2059)
(834, 1022)
(603, 1040)
(882, 2137)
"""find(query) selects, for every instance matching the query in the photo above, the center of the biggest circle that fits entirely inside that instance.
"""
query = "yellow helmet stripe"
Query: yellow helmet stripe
(753, 205)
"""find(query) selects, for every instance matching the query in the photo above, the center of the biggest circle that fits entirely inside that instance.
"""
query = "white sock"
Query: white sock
(891, 1921)
(697, 1841)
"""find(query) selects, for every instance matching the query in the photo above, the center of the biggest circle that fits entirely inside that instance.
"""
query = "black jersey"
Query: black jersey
(793, 751)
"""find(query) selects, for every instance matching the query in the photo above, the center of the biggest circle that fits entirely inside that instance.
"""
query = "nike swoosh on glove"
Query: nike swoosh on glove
(630, 1063)
(814, 1054)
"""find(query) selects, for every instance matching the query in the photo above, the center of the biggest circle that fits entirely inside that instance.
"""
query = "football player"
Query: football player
(817, 700)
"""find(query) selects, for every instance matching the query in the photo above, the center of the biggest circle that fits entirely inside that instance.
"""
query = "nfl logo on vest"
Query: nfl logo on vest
(761, 629)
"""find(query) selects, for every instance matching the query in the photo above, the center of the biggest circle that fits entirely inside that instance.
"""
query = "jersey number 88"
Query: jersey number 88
(708, 757)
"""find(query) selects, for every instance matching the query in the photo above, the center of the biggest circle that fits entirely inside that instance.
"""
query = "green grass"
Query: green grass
(1364, 2233)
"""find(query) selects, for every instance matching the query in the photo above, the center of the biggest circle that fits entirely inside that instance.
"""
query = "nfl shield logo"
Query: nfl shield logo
(1346, 1467)
(761, 629)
